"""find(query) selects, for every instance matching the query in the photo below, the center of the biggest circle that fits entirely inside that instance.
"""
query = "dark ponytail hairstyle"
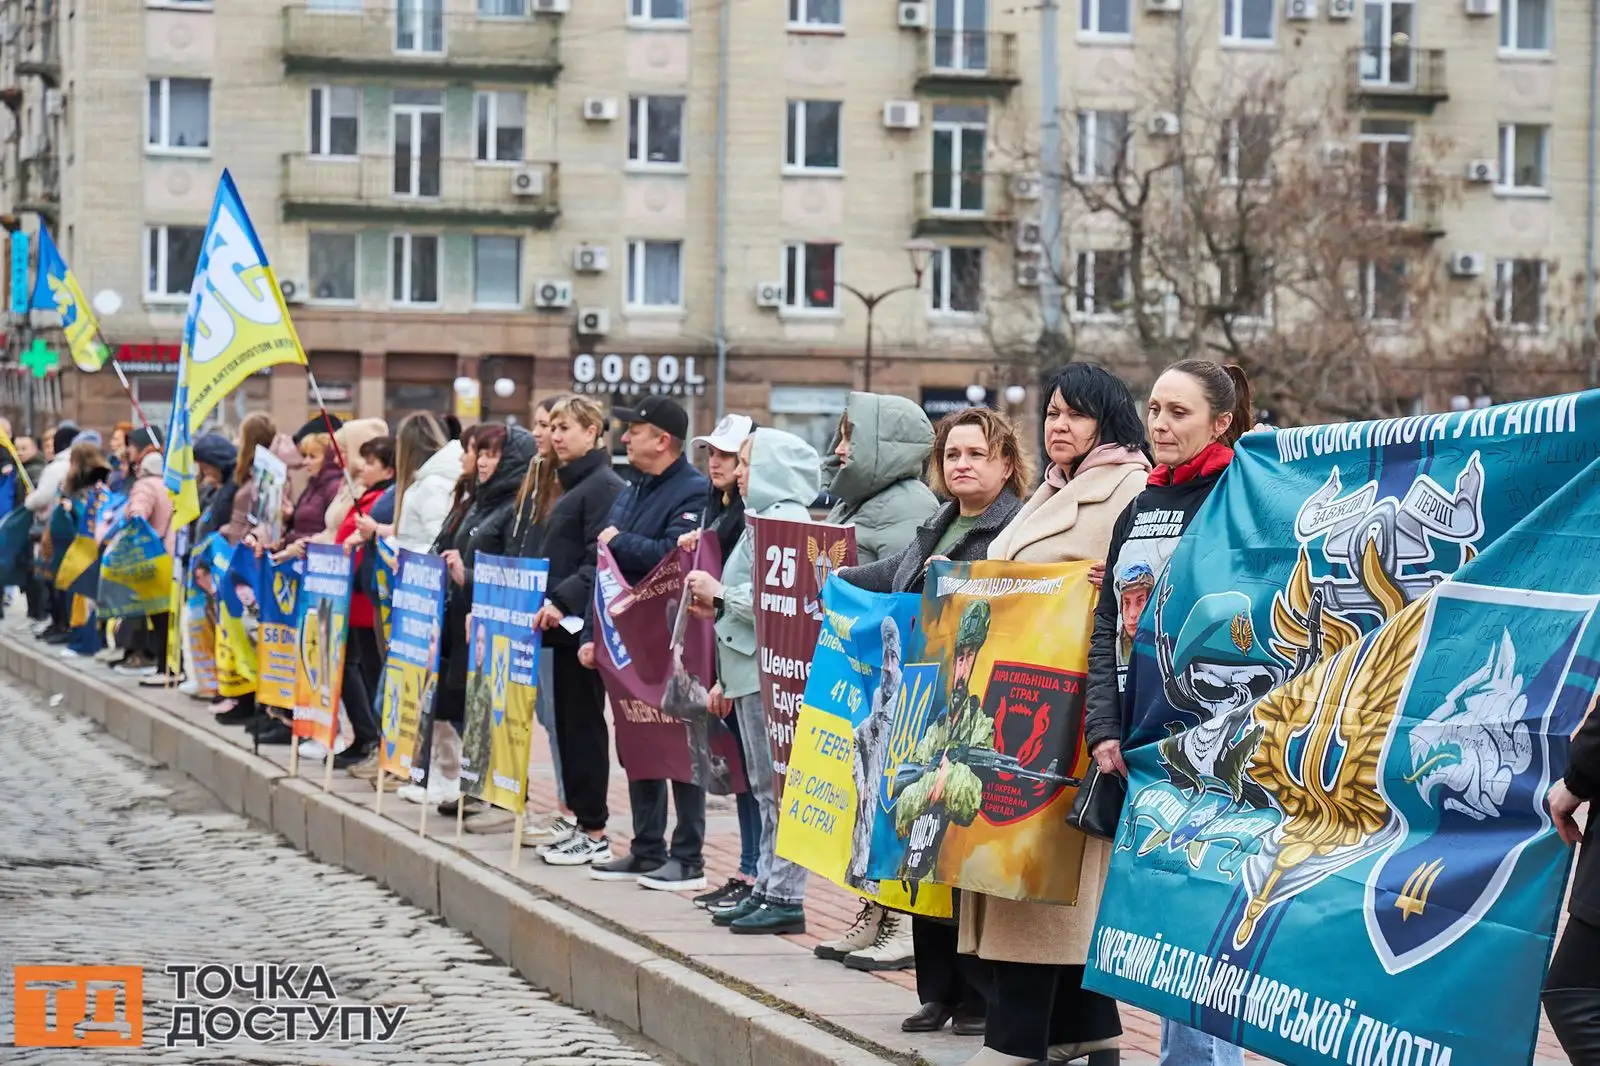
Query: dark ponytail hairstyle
(1227, 390)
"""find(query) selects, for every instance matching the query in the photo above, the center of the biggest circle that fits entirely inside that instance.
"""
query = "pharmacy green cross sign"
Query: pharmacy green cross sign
(40, 358)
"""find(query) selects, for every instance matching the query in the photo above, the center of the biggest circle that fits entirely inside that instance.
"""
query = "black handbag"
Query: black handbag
(1098, 805)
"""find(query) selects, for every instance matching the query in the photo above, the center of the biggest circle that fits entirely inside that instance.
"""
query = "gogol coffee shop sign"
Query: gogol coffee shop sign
(637, 375)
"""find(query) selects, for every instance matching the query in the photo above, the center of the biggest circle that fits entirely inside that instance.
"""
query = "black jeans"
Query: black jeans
(581, 736)
(362, 663)
(1034, 1006)
(156, 627)
(649, 802)
(944, 976)
(38, 598)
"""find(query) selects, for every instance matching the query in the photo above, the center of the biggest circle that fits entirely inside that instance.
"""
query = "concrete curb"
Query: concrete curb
(555, 948)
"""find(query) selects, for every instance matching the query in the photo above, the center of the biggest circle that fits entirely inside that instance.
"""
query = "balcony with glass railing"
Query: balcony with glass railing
(411, 38)
(412, 189)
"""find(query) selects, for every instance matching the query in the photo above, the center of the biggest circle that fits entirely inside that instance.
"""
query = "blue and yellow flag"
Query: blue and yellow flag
(56, 289)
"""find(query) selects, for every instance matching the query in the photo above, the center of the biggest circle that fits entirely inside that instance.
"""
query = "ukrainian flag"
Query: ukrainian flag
(56, 289)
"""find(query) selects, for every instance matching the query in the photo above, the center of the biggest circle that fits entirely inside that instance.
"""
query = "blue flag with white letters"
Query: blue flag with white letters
(1351, 689)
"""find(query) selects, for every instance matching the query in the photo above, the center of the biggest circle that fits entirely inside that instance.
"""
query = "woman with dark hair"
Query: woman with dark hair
(1197, 410)
(1095, 444)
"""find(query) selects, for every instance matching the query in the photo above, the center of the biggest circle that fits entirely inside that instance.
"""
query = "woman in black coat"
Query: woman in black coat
(978, 466)
(589, 486)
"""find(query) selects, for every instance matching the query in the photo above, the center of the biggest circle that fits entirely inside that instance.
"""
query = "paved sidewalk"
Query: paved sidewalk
(864, 1009)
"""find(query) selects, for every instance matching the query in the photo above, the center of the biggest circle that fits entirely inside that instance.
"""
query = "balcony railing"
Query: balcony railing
(41, 184)
(415, 41)
(382, 188)
(956, 59)
(1397, 76)
(1416, 208)
(955, 201)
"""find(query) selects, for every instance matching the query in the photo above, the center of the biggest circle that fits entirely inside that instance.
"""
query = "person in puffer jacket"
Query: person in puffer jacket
(875, 469)
(778, 477)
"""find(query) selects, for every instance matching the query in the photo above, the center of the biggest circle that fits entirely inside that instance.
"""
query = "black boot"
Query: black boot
(1575, 1016)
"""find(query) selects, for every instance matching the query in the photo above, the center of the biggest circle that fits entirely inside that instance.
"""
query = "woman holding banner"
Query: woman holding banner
(1197, 410)
(571, 531)
(1094, 441)
(979, 467)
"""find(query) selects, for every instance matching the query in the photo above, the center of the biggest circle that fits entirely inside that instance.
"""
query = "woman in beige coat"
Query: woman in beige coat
(1095, 442)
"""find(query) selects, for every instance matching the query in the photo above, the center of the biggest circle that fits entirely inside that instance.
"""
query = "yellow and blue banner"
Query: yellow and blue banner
(411, 672)
(502, 678)
(277, 600)
(79, 569)
(321, 628)
(135, 574)
(56, 288)
(235, 570)
(1350, 692)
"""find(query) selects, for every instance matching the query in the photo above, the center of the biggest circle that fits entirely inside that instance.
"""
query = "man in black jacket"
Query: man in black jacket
(645, 524)
(1572, 987)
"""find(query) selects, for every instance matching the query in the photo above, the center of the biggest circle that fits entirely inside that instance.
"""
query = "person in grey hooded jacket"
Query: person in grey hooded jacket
(778, 476)
(875, 469)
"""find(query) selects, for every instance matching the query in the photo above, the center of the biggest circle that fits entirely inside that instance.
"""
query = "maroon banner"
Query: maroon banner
(792, 561)
(644, 669)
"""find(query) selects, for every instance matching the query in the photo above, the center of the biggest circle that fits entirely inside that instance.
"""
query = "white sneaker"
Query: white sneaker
(310, 749)
(68, 653)
(190, 688)
(439, 790)
(860, 935)
(579, 849)
(550, 832)
(110, 656)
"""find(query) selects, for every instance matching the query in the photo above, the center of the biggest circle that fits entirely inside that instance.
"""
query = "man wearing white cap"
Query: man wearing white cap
(725, 519)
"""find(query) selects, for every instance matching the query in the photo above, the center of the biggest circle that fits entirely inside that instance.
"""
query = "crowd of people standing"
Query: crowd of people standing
(1007, 971)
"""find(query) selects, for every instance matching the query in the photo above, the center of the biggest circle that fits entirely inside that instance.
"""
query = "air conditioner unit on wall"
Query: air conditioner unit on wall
(1030, 236)
(594, 321)
(527, 181)
(1481, 8)
(591, 258)
(913, 15)
(902, 115)
(599, 109)
(294, 292)
(1466, 264)
(1163, 124)
(1299, 10)
(1335, 154)
(552, 293)
(1341, 9)
(1030, 273)
(1481, 171)
(1163, 6)
(552, 7)
(769, 294)
(1026, 187)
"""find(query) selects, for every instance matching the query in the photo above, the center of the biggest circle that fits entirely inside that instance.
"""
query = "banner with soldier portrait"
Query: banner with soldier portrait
(411, 671)
(985, 748)
(1352, 688)
(321, 626)
(502, 678)
(278, 602)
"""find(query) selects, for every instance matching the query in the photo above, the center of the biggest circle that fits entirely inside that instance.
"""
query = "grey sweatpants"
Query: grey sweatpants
(777, 880)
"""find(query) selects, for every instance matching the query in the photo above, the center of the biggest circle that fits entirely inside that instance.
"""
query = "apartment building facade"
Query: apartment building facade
(709, 198)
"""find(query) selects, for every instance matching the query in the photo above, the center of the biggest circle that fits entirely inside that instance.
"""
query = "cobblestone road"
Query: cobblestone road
(107, 859)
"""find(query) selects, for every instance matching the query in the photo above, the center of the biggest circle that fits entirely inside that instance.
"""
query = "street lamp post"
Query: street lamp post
(921, 253)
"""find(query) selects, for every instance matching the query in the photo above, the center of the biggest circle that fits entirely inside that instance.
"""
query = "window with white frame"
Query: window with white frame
(1524, 157)
(414, 269)
(655, 130)
(1105, 18)
(496, 271)
(503, 8)
(810, 277)
(501, 134)
(812, 141)
(1244, 287)
(1521, 294)
(1382, 288)
(335, 121)
(332, 263)
(1103, 144)
(658, 10)
(1525, 25)
(1248, 21)
(171, 254)
(1102, 284)
(956, 281)
(655, 274)
(179, 114)
(812, 13)
(1247, 148)
(1385, 156)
